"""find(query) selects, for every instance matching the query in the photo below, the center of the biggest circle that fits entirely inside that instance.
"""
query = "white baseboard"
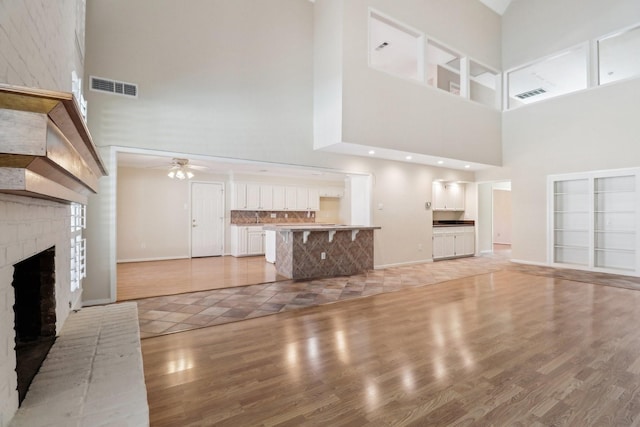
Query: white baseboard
(537, 264)
(401, 264)
(152, 259)
(96, 302)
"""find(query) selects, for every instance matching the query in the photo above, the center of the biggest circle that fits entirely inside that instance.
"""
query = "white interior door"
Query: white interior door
(207, 219)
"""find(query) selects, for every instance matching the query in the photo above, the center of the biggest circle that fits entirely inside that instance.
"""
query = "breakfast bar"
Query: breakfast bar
(322, 250)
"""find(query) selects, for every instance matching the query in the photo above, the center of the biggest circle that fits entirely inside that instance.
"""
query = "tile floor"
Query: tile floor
(174, 313)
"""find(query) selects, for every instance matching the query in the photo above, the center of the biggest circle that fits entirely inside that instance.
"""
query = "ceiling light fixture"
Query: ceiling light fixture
(467, 166)
(440, 162)
(180, 169)
(408, 157)
(372, 152)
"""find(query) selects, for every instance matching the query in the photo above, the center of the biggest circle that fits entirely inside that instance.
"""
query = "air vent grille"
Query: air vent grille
(115, 87)
(529, 94)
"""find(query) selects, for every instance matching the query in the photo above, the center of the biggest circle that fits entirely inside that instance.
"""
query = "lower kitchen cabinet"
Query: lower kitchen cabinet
(247, 240)
(451, 242)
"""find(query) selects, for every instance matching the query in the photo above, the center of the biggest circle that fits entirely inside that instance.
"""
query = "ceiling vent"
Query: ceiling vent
(112, 86)
(529, 94)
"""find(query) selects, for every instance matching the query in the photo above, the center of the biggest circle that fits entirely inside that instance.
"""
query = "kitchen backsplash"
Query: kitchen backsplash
(264, 217)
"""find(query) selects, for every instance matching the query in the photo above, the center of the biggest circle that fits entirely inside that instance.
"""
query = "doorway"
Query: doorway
(494, 217)
(207, 219)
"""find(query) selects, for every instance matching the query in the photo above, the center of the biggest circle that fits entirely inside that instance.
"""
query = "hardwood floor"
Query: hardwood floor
(503, 348)
(155, 278)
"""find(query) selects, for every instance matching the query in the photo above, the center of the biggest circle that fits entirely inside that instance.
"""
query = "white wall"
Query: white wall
(38, 43)
(380, 110)
(591, 130)
(536, 28)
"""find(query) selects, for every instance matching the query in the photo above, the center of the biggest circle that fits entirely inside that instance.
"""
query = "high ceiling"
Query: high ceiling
(499, 6)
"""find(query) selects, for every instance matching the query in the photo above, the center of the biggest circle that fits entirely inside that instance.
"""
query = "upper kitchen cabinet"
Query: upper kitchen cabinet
(308, 199)
(255, 197)
(448, 196)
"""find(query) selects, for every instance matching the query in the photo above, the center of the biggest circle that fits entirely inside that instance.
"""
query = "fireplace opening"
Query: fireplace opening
(35, 315)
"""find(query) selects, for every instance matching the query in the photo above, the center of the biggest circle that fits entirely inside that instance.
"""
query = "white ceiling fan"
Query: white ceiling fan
(181, 169)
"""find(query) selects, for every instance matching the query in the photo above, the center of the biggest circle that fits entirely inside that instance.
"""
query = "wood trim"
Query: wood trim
(45, 139)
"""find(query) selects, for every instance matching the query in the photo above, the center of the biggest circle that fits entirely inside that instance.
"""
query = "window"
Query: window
(443, 68)
(395, 48)
(483, 85)
(78, 245)
(559, 74)
(619, 56)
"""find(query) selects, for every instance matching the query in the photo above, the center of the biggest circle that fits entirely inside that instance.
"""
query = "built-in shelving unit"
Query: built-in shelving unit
(571, 222)
(615, 222)
(594, 221)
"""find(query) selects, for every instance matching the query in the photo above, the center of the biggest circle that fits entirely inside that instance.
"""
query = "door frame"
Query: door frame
(224, 213)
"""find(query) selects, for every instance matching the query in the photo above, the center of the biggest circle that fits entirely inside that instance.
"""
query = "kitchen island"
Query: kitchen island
(322, 250)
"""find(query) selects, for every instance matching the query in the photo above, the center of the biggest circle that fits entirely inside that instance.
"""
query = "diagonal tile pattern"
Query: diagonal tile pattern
(174, 313)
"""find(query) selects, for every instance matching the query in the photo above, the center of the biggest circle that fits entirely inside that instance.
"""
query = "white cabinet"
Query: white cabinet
(451, 242)
(448, 196)
(291, 198)
(239, 198)
(336, 192)
(308, 199)
(255, 241)
(255, 197)
(278, 198)
(247, 240)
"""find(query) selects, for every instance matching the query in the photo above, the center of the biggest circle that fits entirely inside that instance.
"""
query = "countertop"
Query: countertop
(316, 227)
(454, 223)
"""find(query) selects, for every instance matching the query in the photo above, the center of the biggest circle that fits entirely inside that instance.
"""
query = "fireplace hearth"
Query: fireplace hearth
(35, 315)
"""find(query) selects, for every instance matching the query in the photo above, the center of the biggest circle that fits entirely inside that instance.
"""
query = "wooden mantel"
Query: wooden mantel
(46, 150)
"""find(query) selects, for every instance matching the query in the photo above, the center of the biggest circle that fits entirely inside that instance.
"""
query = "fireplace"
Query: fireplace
(47, 161)
(35, 315)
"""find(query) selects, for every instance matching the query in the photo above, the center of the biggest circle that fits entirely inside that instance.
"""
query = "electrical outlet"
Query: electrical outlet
(273, 215)
(286, 215)
(323, 255)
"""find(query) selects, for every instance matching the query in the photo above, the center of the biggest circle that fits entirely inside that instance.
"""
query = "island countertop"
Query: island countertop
(316, 227)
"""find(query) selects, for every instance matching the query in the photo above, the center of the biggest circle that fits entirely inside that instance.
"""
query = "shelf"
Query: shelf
(571, 230)
(585, 248)
(571, 212)
(617, 231)
(623, 251)
(615, 191)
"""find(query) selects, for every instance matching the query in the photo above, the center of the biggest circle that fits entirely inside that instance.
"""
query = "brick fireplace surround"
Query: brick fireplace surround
(29, 226)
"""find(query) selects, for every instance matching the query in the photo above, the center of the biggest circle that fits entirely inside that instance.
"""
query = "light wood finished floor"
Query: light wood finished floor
(154, 278)
(503, 348)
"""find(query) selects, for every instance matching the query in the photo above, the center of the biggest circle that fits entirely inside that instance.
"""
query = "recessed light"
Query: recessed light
(408, 157)
(467, 166)
(440, 162)
(372, 152)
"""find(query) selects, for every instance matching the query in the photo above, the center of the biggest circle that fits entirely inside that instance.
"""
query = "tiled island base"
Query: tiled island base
(315, 252)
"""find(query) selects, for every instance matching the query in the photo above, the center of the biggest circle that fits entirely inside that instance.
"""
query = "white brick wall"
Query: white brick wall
(27, 227)
(38, 43)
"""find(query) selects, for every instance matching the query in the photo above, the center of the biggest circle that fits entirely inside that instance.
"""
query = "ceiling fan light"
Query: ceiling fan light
(171, 174)
(189, 174)
(180, 174)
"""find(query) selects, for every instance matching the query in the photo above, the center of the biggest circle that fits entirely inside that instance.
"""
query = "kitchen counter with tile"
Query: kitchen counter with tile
(306, 251)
